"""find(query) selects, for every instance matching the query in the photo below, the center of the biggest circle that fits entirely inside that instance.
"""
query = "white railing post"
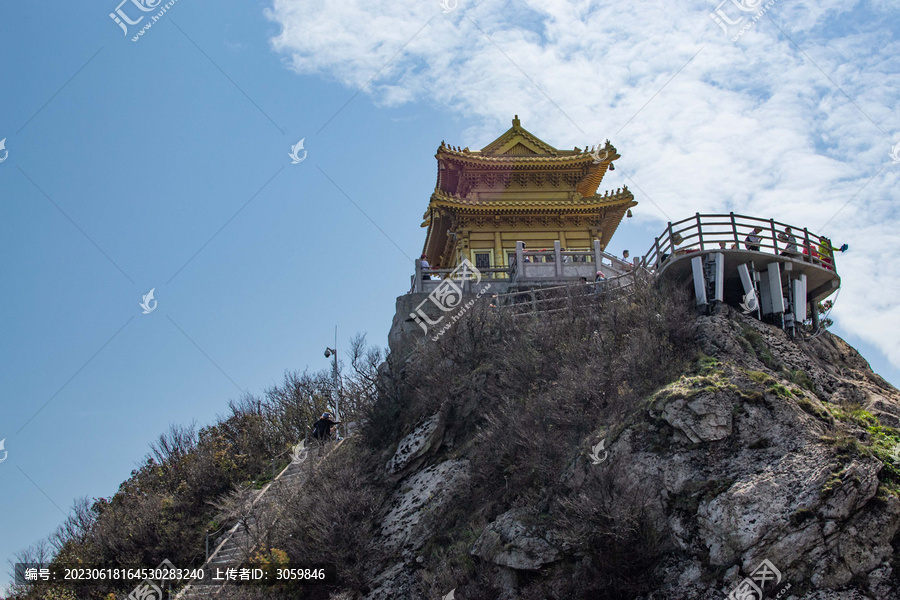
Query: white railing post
(774, 236)
(417, 285)
(808, 246)
(557, 256)
(734, 231)
(700, 231)
(520, 260)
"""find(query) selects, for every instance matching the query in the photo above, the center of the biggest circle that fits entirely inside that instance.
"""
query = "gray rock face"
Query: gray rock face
(773, 478)
(702, 416)
(856, 485)
(403, 529)
(415, 445)
(776, 486)
(756, 457)
(405, 333)
(512, 542)
(421, 491)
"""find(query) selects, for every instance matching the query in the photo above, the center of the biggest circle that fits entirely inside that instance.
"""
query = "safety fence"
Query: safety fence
(728, 232)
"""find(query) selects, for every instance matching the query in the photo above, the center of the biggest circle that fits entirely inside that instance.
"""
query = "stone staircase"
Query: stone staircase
(237, 544)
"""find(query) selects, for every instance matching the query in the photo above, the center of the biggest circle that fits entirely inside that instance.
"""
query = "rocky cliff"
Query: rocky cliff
(765, 464)
(627, 448)
(621, 447)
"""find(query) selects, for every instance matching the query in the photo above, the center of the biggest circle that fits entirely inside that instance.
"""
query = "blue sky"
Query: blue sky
(164, 164)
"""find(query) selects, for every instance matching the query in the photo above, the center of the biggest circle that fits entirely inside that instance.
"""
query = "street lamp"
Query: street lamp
(329, 352)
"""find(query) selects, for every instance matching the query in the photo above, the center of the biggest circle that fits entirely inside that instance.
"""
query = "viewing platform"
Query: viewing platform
(794, 248)
(767, 267)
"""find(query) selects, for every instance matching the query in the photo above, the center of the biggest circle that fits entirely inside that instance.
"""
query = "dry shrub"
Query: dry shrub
(522, 394)
(331, 520)
(558, 380)
(381, 418)
(447, 563)
(614, 523)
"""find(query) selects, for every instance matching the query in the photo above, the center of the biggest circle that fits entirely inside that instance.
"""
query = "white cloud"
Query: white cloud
(752, 126)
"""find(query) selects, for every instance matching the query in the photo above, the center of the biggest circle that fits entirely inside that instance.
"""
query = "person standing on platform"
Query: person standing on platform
(753, 240)
(788, 238)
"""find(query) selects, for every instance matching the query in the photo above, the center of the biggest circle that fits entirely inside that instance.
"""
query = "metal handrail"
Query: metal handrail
(450, 271)
(531, 295)
(234, 527)
(708, 232)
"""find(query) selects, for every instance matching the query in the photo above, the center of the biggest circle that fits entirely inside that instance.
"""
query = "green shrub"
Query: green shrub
(760, 377)
(801, 515)
(813, 409)
(780, 391)
(846, 446)
(855, 415)
(759, 348)
(752, 396)
(799, 377)
(833, 482)
(706, 365)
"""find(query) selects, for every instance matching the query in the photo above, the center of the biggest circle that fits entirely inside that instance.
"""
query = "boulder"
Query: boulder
(512, 541)
(413, 448)
(425, 490)
(699, 407)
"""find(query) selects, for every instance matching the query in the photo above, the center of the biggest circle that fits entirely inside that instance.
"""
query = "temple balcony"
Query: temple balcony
(529, 268)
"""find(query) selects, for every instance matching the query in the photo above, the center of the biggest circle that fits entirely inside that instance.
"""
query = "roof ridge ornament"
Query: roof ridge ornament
(516, 122)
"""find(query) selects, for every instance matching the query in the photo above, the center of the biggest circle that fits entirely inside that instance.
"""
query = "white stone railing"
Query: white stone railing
(531, 266)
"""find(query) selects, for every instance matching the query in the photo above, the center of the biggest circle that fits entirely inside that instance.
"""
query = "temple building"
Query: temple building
(519, 188)
(524, 220)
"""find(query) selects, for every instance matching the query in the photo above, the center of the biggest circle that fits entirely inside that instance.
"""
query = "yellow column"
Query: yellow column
(463, 249)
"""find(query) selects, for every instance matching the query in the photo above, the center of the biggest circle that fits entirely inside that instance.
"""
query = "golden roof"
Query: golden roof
(584, 203)
(518, 150)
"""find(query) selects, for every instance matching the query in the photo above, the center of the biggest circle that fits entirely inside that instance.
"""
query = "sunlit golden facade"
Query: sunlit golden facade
(519, 188)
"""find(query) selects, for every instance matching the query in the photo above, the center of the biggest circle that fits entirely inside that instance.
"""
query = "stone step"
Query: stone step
(227, 558)
(194, 592)
(232, 551)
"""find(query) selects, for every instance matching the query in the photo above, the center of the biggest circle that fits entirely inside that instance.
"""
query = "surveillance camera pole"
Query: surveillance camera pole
(337, 393)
